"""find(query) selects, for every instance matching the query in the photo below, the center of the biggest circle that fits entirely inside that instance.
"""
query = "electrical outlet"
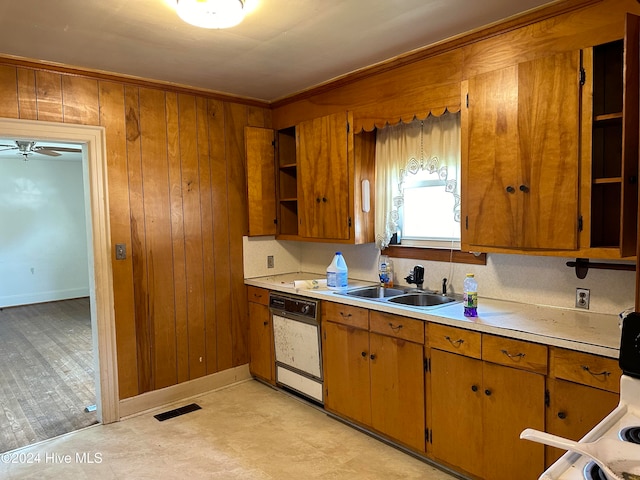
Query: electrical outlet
(582, 298)
(269, 261)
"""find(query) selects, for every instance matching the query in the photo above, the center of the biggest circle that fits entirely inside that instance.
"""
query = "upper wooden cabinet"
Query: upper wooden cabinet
(318, 168)
(520, 156)
(323, 178)
(610, 146)
(261, 191)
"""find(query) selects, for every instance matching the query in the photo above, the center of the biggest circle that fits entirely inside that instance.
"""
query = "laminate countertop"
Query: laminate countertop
(577, 330)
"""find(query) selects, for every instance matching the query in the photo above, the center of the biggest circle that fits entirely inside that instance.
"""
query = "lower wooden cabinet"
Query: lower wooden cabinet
(262, 362)
(484, 390)
(376, 380)
(573, 410)
(582, 390)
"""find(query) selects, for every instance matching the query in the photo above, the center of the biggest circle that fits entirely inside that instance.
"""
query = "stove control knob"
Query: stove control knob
(305, 309)
(562, 415)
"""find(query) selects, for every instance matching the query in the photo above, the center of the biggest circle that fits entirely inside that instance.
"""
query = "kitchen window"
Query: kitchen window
(417, 183)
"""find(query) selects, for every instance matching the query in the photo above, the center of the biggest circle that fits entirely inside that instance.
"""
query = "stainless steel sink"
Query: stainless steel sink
(375, 292)
(422, 299)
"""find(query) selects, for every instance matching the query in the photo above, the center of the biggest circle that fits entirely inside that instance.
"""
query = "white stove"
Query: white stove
(623, 423)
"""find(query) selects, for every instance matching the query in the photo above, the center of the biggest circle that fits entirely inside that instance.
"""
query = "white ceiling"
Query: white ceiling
(282, 47)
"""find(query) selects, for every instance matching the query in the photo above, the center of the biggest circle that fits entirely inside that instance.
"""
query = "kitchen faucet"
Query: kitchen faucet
(416, 276)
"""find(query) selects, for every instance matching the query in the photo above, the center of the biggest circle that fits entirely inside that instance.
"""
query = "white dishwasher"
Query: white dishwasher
(296, 338)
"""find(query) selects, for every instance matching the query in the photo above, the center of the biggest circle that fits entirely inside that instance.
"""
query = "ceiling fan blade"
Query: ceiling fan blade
(59, 149)
(46, 151)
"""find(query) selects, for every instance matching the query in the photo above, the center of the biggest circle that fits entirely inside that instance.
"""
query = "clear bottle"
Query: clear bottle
(337, 273)
(470, 291)
(385, 271)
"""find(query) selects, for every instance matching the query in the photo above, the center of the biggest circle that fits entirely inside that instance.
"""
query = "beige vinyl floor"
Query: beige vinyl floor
(245, 431)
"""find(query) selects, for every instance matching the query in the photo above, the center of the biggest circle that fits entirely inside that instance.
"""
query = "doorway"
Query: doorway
(92, 141)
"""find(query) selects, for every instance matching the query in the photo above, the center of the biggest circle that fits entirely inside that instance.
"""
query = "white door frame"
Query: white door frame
(94, 166)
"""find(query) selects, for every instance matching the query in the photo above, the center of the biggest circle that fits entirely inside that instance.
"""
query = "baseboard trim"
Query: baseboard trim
(183, 391)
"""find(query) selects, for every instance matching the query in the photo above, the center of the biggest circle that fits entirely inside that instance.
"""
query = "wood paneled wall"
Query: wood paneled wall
(431, 78)
(177, 199)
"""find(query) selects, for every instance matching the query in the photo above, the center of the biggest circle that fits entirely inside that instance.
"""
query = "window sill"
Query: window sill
(435, 254)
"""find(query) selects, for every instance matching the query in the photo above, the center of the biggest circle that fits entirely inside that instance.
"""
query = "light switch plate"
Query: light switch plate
(121, 251)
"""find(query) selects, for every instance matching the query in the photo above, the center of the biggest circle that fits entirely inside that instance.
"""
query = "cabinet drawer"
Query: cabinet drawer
(455, 340)
(397, 326)
(353, 316)
(515, 353)
(258, 295)
(587, 369)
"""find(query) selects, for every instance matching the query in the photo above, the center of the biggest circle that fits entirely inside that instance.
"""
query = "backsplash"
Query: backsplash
(529, 279)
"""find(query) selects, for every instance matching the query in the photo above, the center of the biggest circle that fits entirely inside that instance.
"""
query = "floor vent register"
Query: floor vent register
(161, 417)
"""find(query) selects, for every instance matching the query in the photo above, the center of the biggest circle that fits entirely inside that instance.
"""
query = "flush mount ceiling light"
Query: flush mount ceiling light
(211, 13)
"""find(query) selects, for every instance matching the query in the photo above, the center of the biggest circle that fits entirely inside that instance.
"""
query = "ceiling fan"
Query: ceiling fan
(26, 148)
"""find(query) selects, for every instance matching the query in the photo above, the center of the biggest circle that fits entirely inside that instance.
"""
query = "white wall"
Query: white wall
(43, 235)
(521, 278)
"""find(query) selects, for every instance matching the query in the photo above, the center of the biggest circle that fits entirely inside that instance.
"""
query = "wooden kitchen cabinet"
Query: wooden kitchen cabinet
(262, 362)
(610, 145)
(520, 156)
(323, 178)
(581, 390)
(347, 371)
(320, 166)
(478, 408)
(372, 378)
(261, 189)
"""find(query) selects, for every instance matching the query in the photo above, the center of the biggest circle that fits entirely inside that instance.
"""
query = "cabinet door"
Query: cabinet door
(520, 176)
(513, 401)
(397, 389)
(346, 371)
(573, 410)
(548, 133)
(491, 167)
(323, 178)
(456, 410)
(261, 190)
(262, 363)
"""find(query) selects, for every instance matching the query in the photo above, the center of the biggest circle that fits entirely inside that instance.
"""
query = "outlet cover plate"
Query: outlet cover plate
(582, 298)
(269, 261)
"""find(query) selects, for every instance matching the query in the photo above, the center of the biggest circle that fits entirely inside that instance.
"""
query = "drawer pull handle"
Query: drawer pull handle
(395, 328)
(265, 323)
(455, 343)
(364, 354)
(474, 388)
(372, 356)
(257, 295)
(517, 356)
(345, 315)
(562, 415)
(594, 374)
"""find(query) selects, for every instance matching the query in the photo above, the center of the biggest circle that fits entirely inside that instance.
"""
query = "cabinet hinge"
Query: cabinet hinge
(349, 222)
(275, 221)
(583, 76)
(467, 100)
(273, 143)
(427, 435)
(547, 398)
(580, 223)
(427, 365)
(348, 127)
(466, 222)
